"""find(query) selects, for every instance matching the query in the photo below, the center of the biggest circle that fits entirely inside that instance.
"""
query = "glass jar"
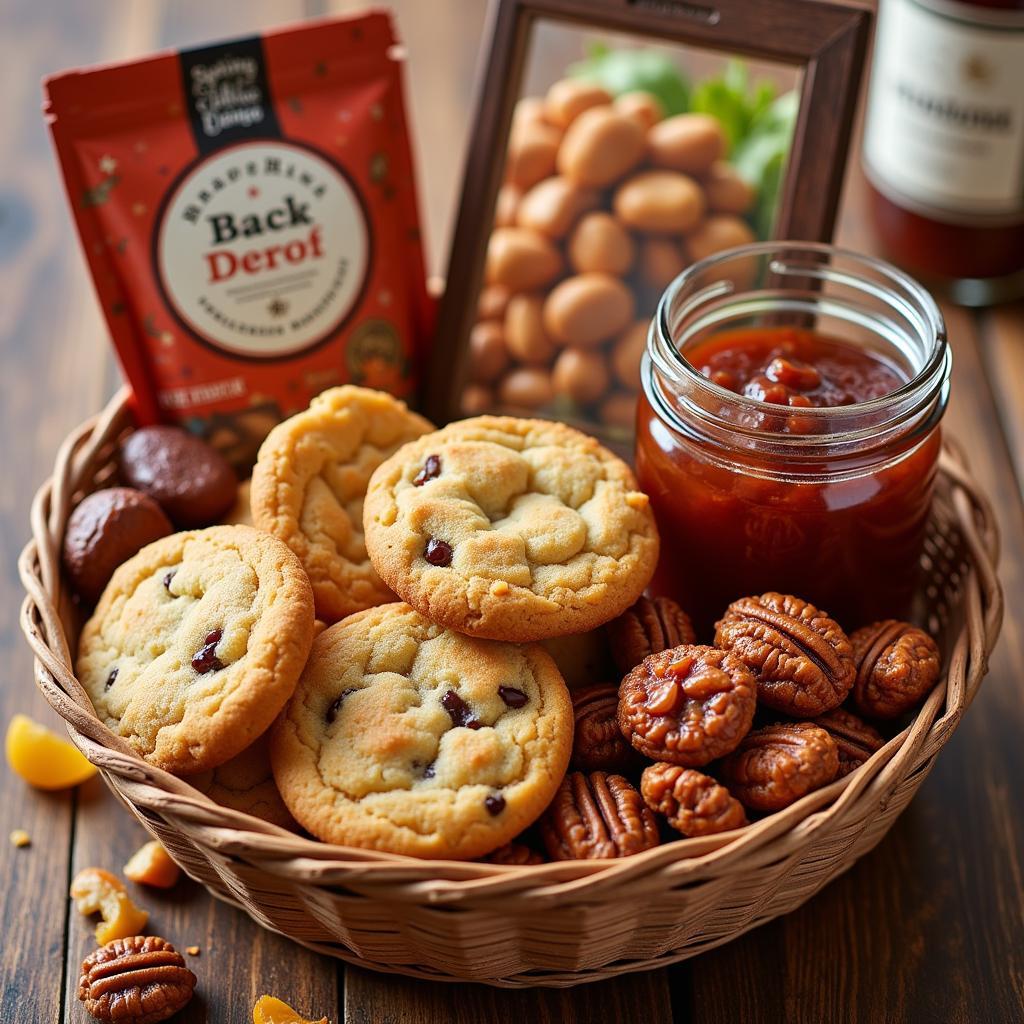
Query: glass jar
(944, 143)
(834, 513)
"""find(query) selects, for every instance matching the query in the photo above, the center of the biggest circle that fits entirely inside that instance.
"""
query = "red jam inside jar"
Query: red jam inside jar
(788, 457)
(795, 367)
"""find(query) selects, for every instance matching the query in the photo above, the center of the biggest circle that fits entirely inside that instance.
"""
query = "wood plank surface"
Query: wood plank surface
(1002, 350)
(928, 927)
(372, 998)
(54, 368)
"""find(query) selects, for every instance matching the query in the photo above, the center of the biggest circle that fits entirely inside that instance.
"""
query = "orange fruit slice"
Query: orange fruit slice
(42, 758)
(270, 1010)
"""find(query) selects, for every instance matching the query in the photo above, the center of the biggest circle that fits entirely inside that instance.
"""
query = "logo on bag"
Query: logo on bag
(263, 249)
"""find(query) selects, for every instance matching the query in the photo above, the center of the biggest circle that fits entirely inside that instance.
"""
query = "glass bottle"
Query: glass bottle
(944, 143)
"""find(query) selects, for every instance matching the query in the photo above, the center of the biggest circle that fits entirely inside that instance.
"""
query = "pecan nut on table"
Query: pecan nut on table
(141, 980)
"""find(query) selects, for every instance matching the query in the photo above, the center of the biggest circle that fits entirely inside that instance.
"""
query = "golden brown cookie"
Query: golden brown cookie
(246, 784)
(407, 737)
(196, 644)
(510, 529)
(308, 487)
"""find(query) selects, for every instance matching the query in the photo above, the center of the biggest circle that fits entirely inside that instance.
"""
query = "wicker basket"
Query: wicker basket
(556, 924)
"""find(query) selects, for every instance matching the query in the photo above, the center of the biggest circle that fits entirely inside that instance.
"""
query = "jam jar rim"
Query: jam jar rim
(929, 386)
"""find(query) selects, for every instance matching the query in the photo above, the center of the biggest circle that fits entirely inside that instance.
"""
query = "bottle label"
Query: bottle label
(944, 133)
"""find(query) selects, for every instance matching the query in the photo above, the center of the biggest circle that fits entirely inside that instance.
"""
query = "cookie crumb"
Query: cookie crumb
(637, 499)
(20, 838)
(192, 950)
(500, 588)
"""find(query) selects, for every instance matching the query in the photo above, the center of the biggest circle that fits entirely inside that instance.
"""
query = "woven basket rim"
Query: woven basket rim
(436, 881)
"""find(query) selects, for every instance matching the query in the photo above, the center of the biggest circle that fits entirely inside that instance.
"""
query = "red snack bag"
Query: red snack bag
(248, 212)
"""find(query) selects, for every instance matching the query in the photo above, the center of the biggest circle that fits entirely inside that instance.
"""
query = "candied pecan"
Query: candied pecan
(517, 854)
(897, 666)
(688, 705)
(598, 742)
(139, 980)
(775, 766)
(653, 624)
(693, 802)
(801, 658)
(597, 816)
(856, 740)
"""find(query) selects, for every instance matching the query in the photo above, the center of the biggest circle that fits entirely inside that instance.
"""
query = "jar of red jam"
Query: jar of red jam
(788, 434)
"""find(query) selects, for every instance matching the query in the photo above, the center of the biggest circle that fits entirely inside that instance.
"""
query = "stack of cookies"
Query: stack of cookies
(425, 718)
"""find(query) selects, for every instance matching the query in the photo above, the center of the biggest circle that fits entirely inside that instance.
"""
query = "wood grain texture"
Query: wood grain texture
(52, 377)
(1002, 349)
(926, 928)
(373, 999)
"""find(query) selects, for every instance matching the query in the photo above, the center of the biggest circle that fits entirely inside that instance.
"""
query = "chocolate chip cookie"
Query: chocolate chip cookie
(196, 644)
(308, 487)
(246, 784)
(510, 529)
(407, 737)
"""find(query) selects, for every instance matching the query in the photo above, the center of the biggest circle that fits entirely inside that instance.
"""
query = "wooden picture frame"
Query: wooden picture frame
(827, 41)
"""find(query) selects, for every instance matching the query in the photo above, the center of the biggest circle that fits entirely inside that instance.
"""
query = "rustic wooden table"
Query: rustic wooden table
(929, 927)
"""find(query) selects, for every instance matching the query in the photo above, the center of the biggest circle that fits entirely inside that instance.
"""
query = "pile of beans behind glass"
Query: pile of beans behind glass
(604, 202)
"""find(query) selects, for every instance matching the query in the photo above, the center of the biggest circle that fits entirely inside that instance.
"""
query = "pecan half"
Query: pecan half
(598, 742)
(897, 666)
(777, 765)
(693, 802)
(653, 624)
(518, 854)
(802, 659)
(856, 740)
(688, 705)
(596, 817)
(138, 980)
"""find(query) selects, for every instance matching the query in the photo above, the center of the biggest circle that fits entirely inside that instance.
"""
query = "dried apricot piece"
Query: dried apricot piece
(42, 758)
(95, 890)
(152, 865)
(270, 1010)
